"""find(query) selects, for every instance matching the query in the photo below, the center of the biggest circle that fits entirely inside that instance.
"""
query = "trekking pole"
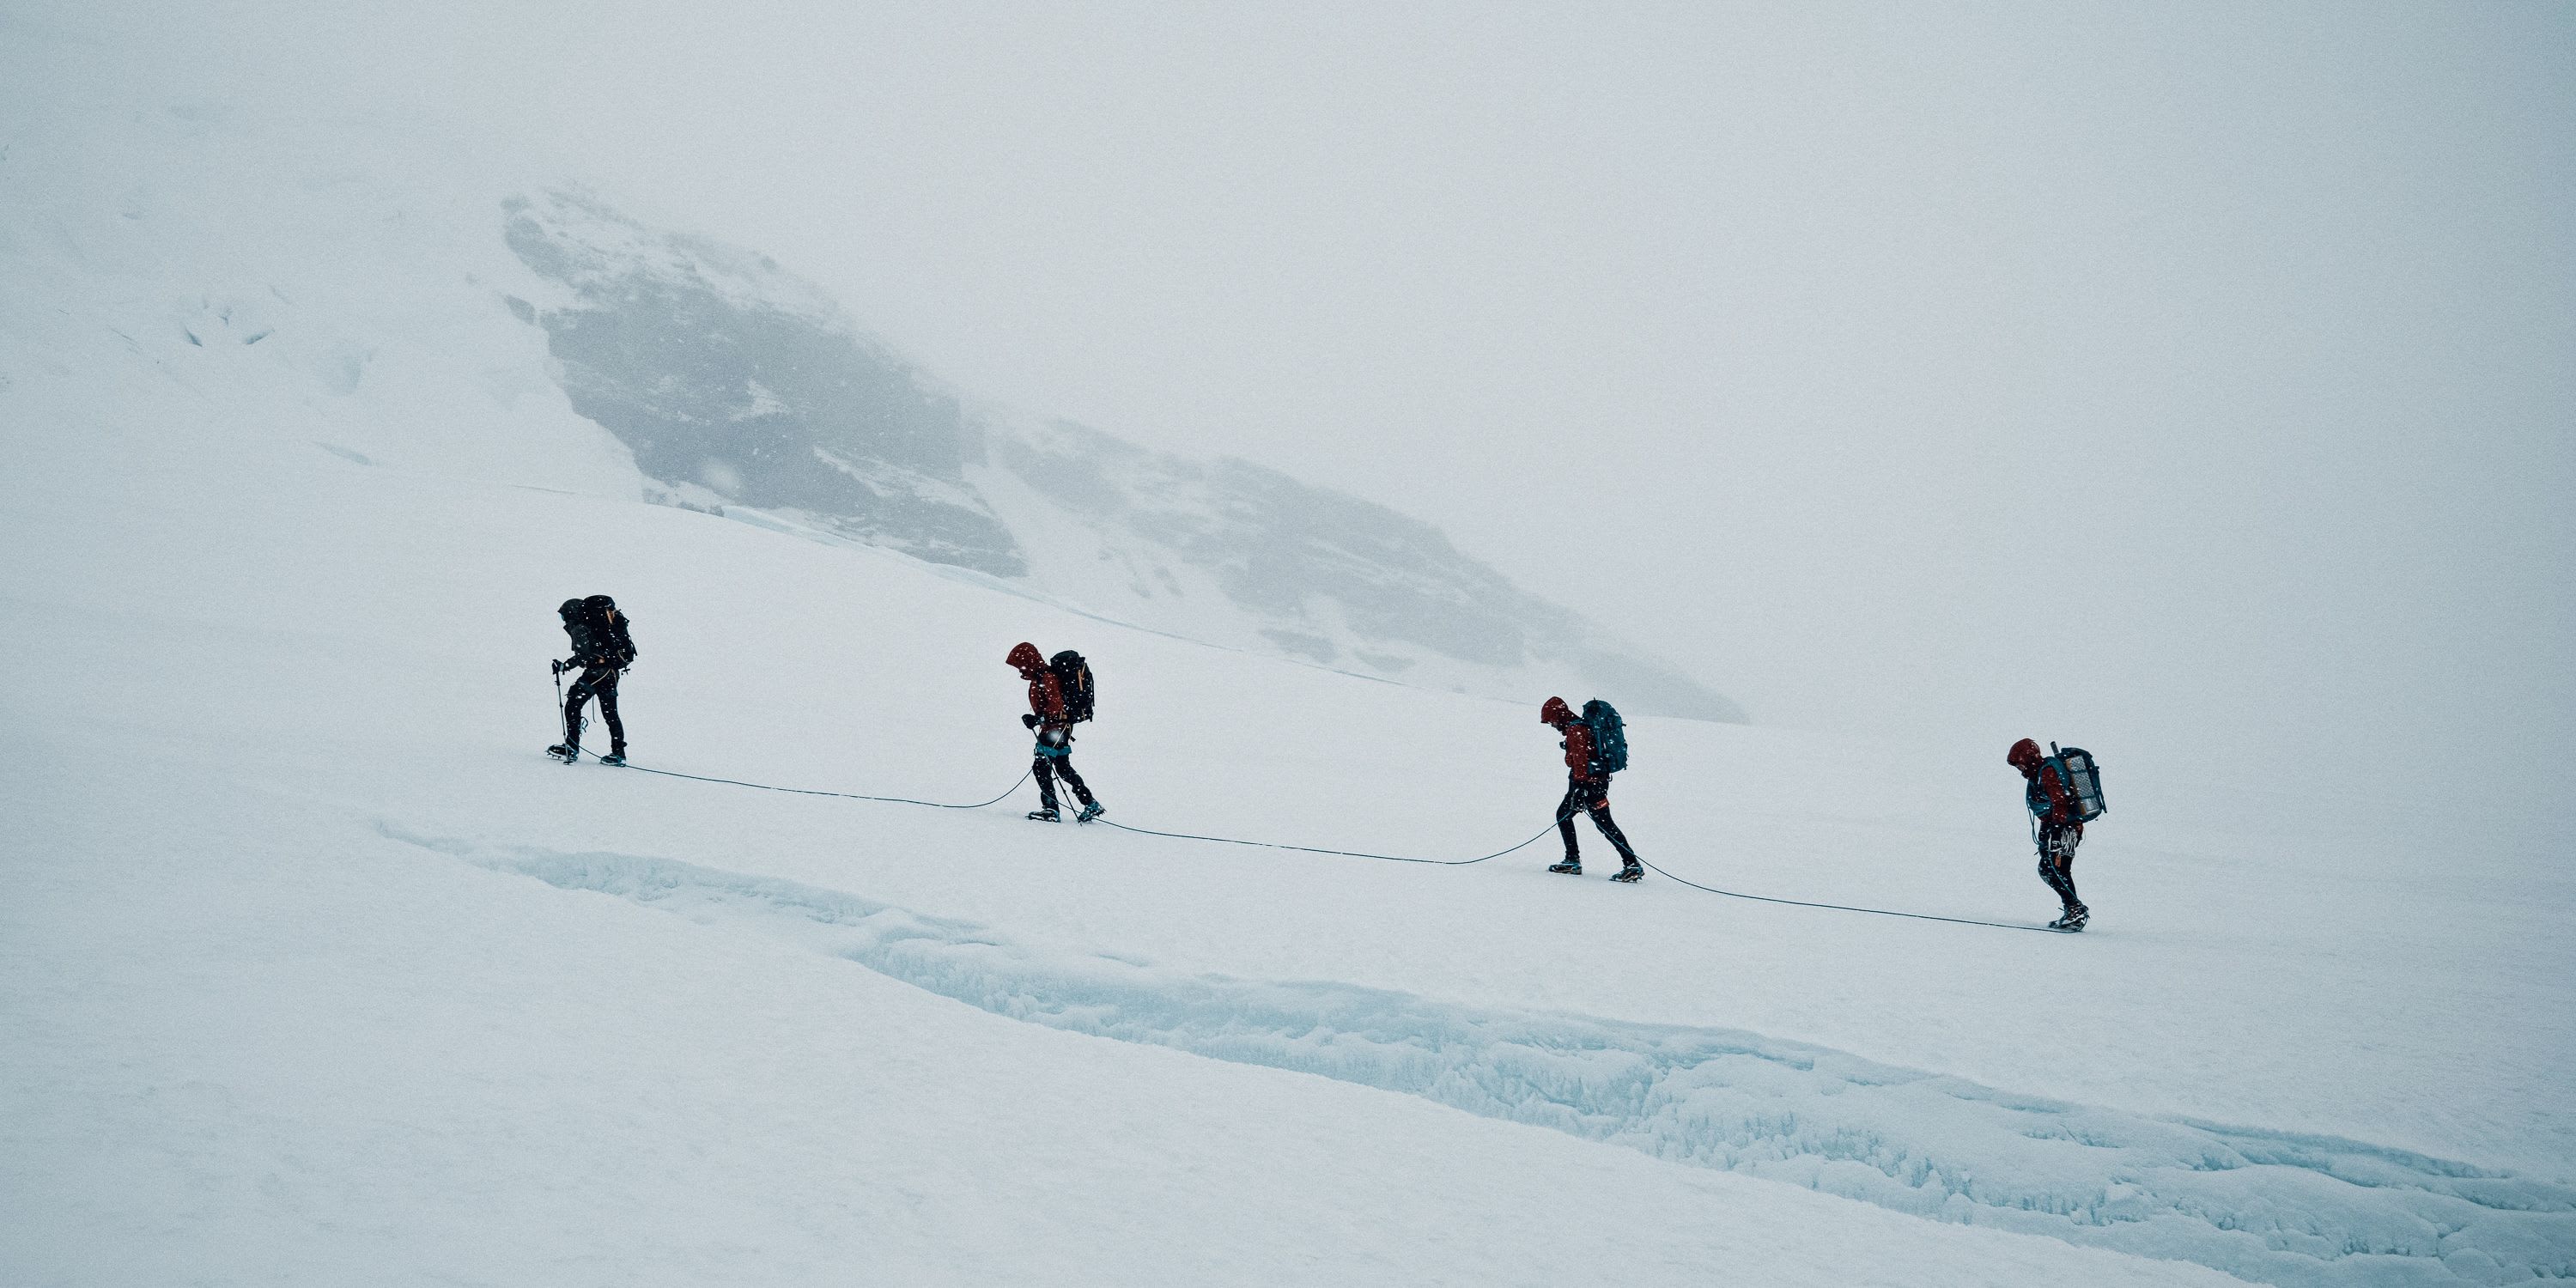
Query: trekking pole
(557, 668)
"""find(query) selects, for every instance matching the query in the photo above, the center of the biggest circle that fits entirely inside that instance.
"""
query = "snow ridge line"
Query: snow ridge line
(2279, 1207)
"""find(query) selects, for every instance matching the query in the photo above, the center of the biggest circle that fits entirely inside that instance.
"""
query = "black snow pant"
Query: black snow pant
(1594, 799)
(2057, 842)
(1055, 759)
(602, 681)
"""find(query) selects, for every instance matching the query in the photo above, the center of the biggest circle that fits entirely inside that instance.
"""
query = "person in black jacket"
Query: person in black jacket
(601, 652)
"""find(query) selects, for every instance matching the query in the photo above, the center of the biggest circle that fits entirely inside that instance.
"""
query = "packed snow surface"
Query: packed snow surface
(313, 969)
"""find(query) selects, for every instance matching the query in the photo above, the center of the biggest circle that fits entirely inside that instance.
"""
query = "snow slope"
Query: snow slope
(312, 970)
(502, 327)
(310, 963)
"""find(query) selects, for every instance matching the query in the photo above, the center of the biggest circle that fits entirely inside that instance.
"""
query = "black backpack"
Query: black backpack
(608, 638)
(1073, 676)
(578, 628)
(1609, 736)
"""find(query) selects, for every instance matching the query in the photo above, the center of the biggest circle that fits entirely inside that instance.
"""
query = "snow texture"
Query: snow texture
(2265, 1205)
(313, 969)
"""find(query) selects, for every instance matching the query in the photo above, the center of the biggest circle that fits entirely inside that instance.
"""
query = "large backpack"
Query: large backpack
(1609, 736)
(1073, 676)
(2076, 769)
(578, 628)
(608, 636)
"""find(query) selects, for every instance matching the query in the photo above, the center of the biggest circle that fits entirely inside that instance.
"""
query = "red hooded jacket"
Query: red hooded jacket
(2045, 791)
(1578, 751)
(1578, 739)
(1046, 696)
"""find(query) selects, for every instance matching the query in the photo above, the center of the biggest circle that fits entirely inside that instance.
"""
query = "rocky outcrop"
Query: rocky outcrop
(735, 384)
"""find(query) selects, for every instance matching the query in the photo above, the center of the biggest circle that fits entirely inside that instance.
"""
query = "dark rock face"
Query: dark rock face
(756, 403)
(732, 382)
(1276, 545)
(1278, 548)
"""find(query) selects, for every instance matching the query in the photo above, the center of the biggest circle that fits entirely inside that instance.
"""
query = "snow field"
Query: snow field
(1911, 1141)
(313, 970)
(340, 701)
(313, 1061)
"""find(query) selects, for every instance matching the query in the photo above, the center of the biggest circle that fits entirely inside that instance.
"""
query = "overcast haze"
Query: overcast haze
(2191, 381)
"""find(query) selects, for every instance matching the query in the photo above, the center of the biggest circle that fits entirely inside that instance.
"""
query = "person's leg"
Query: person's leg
(572, 712)
(2048, 874)
(1565, 811)
(608, 712)
(2067, 839)
(2056, 850)
(1064, 769)
(1599, 806)
(1044, 769)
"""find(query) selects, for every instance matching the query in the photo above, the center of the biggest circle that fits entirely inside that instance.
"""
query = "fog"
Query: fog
(2196, 382)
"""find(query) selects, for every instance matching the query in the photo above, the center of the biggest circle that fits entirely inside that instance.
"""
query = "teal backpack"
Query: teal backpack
(1609, 736)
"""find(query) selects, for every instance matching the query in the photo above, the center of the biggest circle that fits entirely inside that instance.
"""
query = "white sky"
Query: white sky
(2194, 381)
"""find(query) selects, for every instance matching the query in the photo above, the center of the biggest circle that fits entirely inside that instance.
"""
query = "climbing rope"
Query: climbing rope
(1309, 849)
(1460, 863)
(1347, 854)
(808, 791)
(1844, 907)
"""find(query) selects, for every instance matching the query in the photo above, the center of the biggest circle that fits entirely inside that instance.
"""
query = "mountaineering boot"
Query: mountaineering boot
(563, 753)
(1091, 811)
(2073, 920)
(616, 756)
(1632, 874)
(1047, 815)
(1571, 867)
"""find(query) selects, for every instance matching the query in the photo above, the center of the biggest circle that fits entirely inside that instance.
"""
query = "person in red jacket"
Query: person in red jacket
(1054, 727)
(1587, 790)
(2054, 808)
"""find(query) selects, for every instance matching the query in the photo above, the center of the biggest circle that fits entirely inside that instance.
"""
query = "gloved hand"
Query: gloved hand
(1028, 722)
(556, 663)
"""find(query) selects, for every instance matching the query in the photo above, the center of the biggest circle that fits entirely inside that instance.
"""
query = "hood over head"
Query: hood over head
(1025, 657)
(1555, 712)
(2024, 756)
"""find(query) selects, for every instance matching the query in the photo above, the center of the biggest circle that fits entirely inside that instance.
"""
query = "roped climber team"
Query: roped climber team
(2062, 789)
